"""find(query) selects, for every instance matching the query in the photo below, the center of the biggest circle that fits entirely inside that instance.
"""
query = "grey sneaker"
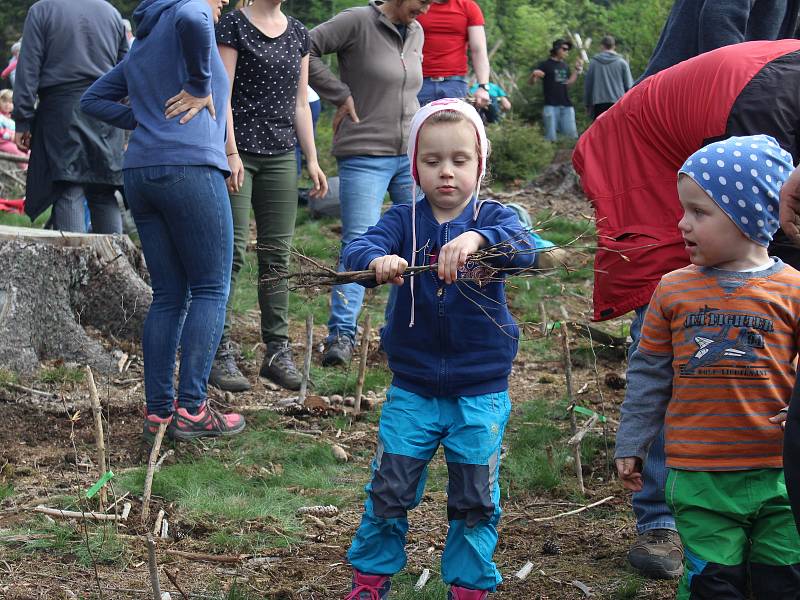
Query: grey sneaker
(338, 351)
(278, 366)
(225, 375)
(657, 554)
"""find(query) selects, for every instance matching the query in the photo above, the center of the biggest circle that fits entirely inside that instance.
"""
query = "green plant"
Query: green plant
(61, 375)
(7, 376)
(253, 485)
(403, 587)
(629, 588)
(539, 459)
(97, 544)
(343, 381)
(6, 490)
(519, 151)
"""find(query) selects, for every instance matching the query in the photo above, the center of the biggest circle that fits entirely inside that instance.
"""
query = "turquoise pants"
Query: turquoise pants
(411, 429)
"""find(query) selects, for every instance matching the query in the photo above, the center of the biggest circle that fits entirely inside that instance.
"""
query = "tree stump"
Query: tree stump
(54, 285)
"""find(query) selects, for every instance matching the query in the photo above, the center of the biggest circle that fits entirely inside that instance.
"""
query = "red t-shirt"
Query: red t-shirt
(445, 51)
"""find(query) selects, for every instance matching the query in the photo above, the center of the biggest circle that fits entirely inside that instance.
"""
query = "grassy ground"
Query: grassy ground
(241, 495)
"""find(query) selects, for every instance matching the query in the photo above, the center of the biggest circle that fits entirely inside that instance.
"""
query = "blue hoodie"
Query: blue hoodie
(464, 338)
(175, 50)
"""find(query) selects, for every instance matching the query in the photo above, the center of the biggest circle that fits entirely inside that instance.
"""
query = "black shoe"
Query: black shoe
(338, 351)
(278, 366)
(225, 375)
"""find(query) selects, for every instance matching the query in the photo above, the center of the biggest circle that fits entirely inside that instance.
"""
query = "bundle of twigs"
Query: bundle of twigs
(481, 266)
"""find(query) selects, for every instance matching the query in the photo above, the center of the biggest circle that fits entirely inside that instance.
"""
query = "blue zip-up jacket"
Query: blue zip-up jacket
(175, 50)
(464, 338)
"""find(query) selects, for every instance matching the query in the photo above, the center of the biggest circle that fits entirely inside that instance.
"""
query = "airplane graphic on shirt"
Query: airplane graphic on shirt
(712, 349)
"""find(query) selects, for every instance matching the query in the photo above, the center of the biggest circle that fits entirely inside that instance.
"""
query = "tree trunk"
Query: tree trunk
(53, 285)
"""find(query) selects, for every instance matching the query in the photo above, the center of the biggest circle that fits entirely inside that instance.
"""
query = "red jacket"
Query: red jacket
(629, 158)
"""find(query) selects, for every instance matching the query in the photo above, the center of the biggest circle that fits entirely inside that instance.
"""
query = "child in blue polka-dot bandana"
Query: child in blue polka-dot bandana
(715, 366)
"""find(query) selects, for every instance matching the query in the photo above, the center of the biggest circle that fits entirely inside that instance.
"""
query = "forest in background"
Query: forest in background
(526, 27)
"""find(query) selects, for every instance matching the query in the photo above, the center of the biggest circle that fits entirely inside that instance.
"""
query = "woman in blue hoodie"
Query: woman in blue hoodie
(175, 169)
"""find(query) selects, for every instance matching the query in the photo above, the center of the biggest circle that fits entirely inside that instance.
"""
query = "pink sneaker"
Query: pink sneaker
(207, 423)
(460, 593)
(369, 587)
(150, 427)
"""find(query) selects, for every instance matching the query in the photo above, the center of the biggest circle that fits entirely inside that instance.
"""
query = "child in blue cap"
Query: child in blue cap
(716, 365)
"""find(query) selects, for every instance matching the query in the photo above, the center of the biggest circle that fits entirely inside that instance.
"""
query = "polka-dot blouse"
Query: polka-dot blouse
(265, 82)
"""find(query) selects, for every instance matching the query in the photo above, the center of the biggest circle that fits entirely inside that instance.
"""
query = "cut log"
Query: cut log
(55, 284)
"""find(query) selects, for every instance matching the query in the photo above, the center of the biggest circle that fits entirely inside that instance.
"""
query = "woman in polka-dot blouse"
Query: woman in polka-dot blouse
(266, 55)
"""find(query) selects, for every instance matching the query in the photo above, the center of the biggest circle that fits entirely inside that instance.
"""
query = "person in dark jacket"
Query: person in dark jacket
(607, 79)
(450, 341)
(697, 26)
(68, 45)
(175, 169)
(628, 161)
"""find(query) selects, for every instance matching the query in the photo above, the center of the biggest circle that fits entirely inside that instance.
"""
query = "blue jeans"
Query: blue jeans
(411, 429)
(436, 90)
(650, 505)
(363, 182)
(559, 119)
(183, 216)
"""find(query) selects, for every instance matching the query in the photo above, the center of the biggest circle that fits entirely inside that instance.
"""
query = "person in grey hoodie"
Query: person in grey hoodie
(379, 51)
(608, 78)
(68, 46)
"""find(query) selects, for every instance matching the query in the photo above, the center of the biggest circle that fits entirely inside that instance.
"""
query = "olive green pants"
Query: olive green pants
(733, 524)
(270, 187)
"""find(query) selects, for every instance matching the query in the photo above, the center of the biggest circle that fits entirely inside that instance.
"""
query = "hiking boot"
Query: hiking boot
(150, 428)
(225, 375)
(207, 423)
(369, 587)
(460, 593)
(278, 366)
(657, 554)
(338, 351)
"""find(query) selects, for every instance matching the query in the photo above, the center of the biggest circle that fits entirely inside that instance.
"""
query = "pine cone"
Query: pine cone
(318, 511)
(551, 547)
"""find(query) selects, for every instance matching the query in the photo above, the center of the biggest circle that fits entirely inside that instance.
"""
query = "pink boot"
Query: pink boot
(460, 593)
(369, 587)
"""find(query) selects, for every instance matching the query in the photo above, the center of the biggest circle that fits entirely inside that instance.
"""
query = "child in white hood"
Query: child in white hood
(450, 341)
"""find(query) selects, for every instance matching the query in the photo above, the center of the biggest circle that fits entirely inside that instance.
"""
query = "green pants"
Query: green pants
(270, 187)
(731, 523)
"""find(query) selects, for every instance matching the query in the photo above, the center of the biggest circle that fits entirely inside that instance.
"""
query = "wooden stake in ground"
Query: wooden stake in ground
(571, 397)
(151, 469)
(153, 567)
(362, 366)
(99, 438)
(301, 398)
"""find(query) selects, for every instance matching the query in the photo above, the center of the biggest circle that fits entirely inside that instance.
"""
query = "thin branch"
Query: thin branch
(574, 512)
(151, 468)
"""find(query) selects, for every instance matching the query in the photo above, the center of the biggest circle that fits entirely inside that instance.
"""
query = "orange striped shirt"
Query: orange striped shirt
(734, 338)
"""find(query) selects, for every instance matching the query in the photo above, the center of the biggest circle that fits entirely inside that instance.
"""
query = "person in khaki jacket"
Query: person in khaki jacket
(379, 51)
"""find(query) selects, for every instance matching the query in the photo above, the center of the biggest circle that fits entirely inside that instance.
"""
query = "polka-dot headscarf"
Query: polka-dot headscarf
(744, 176)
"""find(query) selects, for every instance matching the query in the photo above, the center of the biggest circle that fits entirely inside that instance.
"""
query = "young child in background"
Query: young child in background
(7, 127)
(450, 349)
(717, 358)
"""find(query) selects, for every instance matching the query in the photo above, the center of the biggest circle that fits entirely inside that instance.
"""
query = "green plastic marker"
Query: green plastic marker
(100, 483)
(588, 412)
